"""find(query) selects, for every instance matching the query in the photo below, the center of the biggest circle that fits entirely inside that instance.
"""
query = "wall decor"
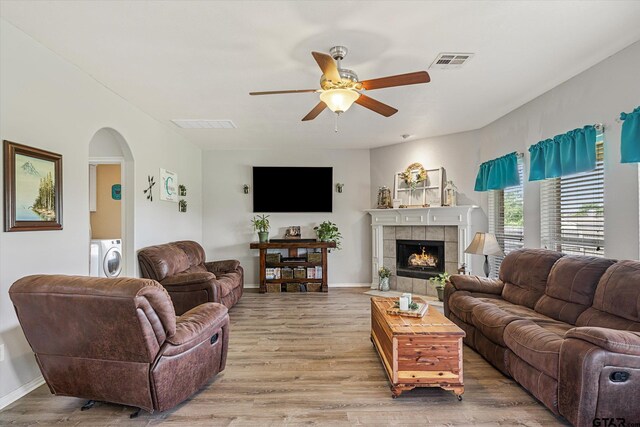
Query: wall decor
(116, 192)
(419, 187)
(182, 190)
(168, 186)
(32, 188)
(182, 205)
(149, 189)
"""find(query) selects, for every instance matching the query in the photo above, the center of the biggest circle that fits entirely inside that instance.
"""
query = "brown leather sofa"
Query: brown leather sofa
(567, 328)
(118, 340)
(181, 268)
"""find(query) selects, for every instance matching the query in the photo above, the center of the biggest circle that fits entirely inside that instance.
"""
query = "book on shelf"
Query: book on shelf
(311, 273)
(318, 272)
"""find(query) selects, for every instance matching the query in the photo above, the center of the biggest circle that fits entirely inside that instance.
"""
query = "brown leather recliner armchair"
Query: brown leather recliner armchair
(181, 268)
(118, 340)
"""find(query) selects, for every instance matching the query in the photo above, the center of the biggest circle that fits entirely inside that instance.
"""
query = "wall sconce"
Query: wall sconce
(245, 189)
(339, 187)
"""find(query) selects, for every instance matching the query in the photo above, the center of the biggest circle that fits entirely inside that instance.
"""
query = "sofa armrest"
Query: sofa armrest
(196, 324)
(614, 340)
(477, 284)
(223, 266)
(585, 388)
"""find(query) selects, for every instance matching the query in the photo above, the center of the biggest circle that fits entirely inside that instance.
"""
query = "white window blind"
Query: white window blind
(572, 210)
(506, 216)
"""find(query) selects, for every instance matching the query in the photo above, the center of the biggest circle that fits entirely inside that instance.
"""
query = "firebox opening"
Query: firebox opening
(421, 259)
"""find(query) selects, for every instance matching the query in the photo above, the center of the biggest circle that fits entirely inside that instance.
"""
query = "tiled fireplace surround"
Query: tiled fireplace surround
(448, 234)
(456, 226)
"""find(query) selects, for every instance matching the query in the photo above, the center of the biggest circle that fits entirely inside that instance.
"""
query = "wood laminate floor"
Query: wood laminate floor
(307, 359)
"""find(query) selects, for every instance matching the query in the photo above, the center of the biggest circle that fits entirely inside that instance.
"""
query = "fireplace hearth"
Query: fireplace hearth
(421, 259)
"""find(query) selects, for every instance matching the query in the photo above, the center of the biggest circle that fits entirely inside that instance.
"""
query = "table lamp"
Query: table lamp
(484, 244)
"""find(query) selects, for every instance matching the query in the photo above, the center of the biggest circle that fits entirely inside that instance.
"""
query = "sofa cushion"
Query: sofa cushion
(537, 343)
(571, 286)
(493, 317)
(616, 303)
(461, 304)
(524, 273)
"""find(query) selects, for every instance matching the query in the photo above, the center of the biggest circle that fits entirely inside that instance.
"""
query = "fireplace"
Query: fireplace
(421, 259)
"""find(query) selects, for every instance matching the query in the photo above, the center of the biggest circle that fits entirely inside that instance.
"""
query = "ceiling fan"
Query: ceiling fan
(340, 87)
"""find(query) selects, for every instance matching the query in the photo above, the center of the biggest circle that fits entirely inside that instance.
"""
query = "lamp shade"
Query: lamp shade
(484, 244)
(339, 100)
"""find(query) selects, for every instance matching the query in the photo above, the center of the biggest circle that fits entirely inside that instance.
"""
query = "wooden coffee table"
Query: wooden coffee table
(417, 352)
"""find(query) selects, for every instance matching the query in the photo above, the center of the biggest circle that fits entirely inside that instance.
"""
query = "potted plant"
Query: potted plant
(440, 280)
(261, 225)
(328, 232)
(384, 273)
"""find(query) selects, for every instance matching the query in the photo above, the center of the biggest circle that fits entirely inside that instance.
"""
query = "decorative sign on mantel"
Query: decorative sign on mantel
(168, 185)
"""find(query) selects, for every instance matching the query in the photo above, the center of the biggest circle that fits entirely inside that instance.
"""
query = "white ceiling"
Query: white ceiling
(199, 59)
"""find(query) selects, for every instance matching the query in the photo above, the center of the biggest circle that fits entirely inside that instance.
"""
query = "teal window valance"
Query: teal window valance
(498, 174)
(566, 154)
(630, 137)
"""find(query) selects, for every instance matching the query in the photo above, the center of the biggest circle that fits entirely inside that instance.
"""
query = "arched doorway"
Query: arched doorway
(110, 153)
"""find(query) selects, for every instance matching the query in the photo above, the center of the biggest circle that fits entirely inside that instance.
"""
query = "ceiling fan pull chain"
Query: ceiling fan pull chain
(337, 115)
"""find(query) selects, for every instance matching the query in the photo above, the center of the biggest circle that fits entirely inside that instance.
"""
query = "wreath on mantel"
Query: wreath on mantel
(408, 174)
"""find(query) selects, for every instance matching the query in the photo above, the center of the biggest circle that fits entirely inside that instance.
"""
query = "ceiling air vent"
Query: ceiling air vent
(450, 61)
(204, 124)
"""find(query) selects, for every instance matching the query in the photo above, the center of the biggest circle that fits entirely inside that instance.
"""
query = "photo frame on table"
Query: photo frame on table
(32, 188)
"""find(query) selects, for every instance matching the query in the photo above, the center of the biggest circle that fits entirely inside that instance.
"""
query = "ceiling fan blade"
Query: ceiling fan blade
(327, 65)
(314, 113)
(376, 106)
(277, 92)
(399, 80)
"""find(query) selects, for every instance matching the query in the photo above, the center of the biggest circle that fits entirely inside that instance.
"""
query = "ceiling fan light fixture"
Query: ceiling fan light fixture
(339, 100)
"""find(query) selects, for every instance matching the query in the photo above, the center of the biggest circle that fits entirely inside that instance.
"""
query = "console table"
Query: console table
(293, 247)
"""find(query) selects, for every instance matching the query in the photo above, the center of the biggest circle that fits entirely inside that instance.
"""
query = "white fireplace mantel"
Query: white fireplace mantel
(468, 219)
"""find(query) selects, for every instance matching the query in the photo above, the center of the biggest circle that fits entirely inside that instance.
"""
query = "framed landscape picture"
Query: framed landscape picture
(32, 188)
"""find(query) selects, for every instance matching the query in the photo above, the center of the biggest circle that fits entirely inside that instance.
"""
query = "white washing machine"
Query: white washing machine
(106, 258)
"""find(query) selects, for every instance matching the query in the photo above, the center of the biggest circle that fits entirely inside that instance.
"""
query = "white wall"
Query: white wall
(49, 103)
(227, 231)
(597, 95)
(457, 153)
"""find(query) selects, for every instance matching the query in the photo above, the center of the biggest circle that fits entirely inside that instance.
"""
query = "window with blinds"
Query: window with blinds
(572, 210)
(506, 219)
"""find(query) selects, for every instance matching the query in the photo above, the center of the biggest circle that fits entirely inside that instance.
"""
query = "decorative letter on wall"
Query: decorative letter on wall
(168, 186)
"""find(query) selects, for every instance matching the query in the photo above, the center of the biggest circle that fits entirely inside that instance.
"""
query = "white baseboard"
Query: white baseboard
(331, 285)
(349, 285)
(21, 391)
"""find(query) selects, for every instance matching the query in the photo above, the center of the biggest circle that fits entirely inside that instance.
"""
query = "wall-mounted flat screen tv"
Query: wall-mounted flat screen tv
(292, 189)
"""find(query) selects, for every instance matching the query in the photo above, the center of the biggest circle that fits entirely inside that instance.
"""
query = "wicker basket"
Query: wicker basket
(287, 273)
(273, 288)
(314, 257)
(293, 287)
(299, 273)
(272, 258)
(314, 287)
